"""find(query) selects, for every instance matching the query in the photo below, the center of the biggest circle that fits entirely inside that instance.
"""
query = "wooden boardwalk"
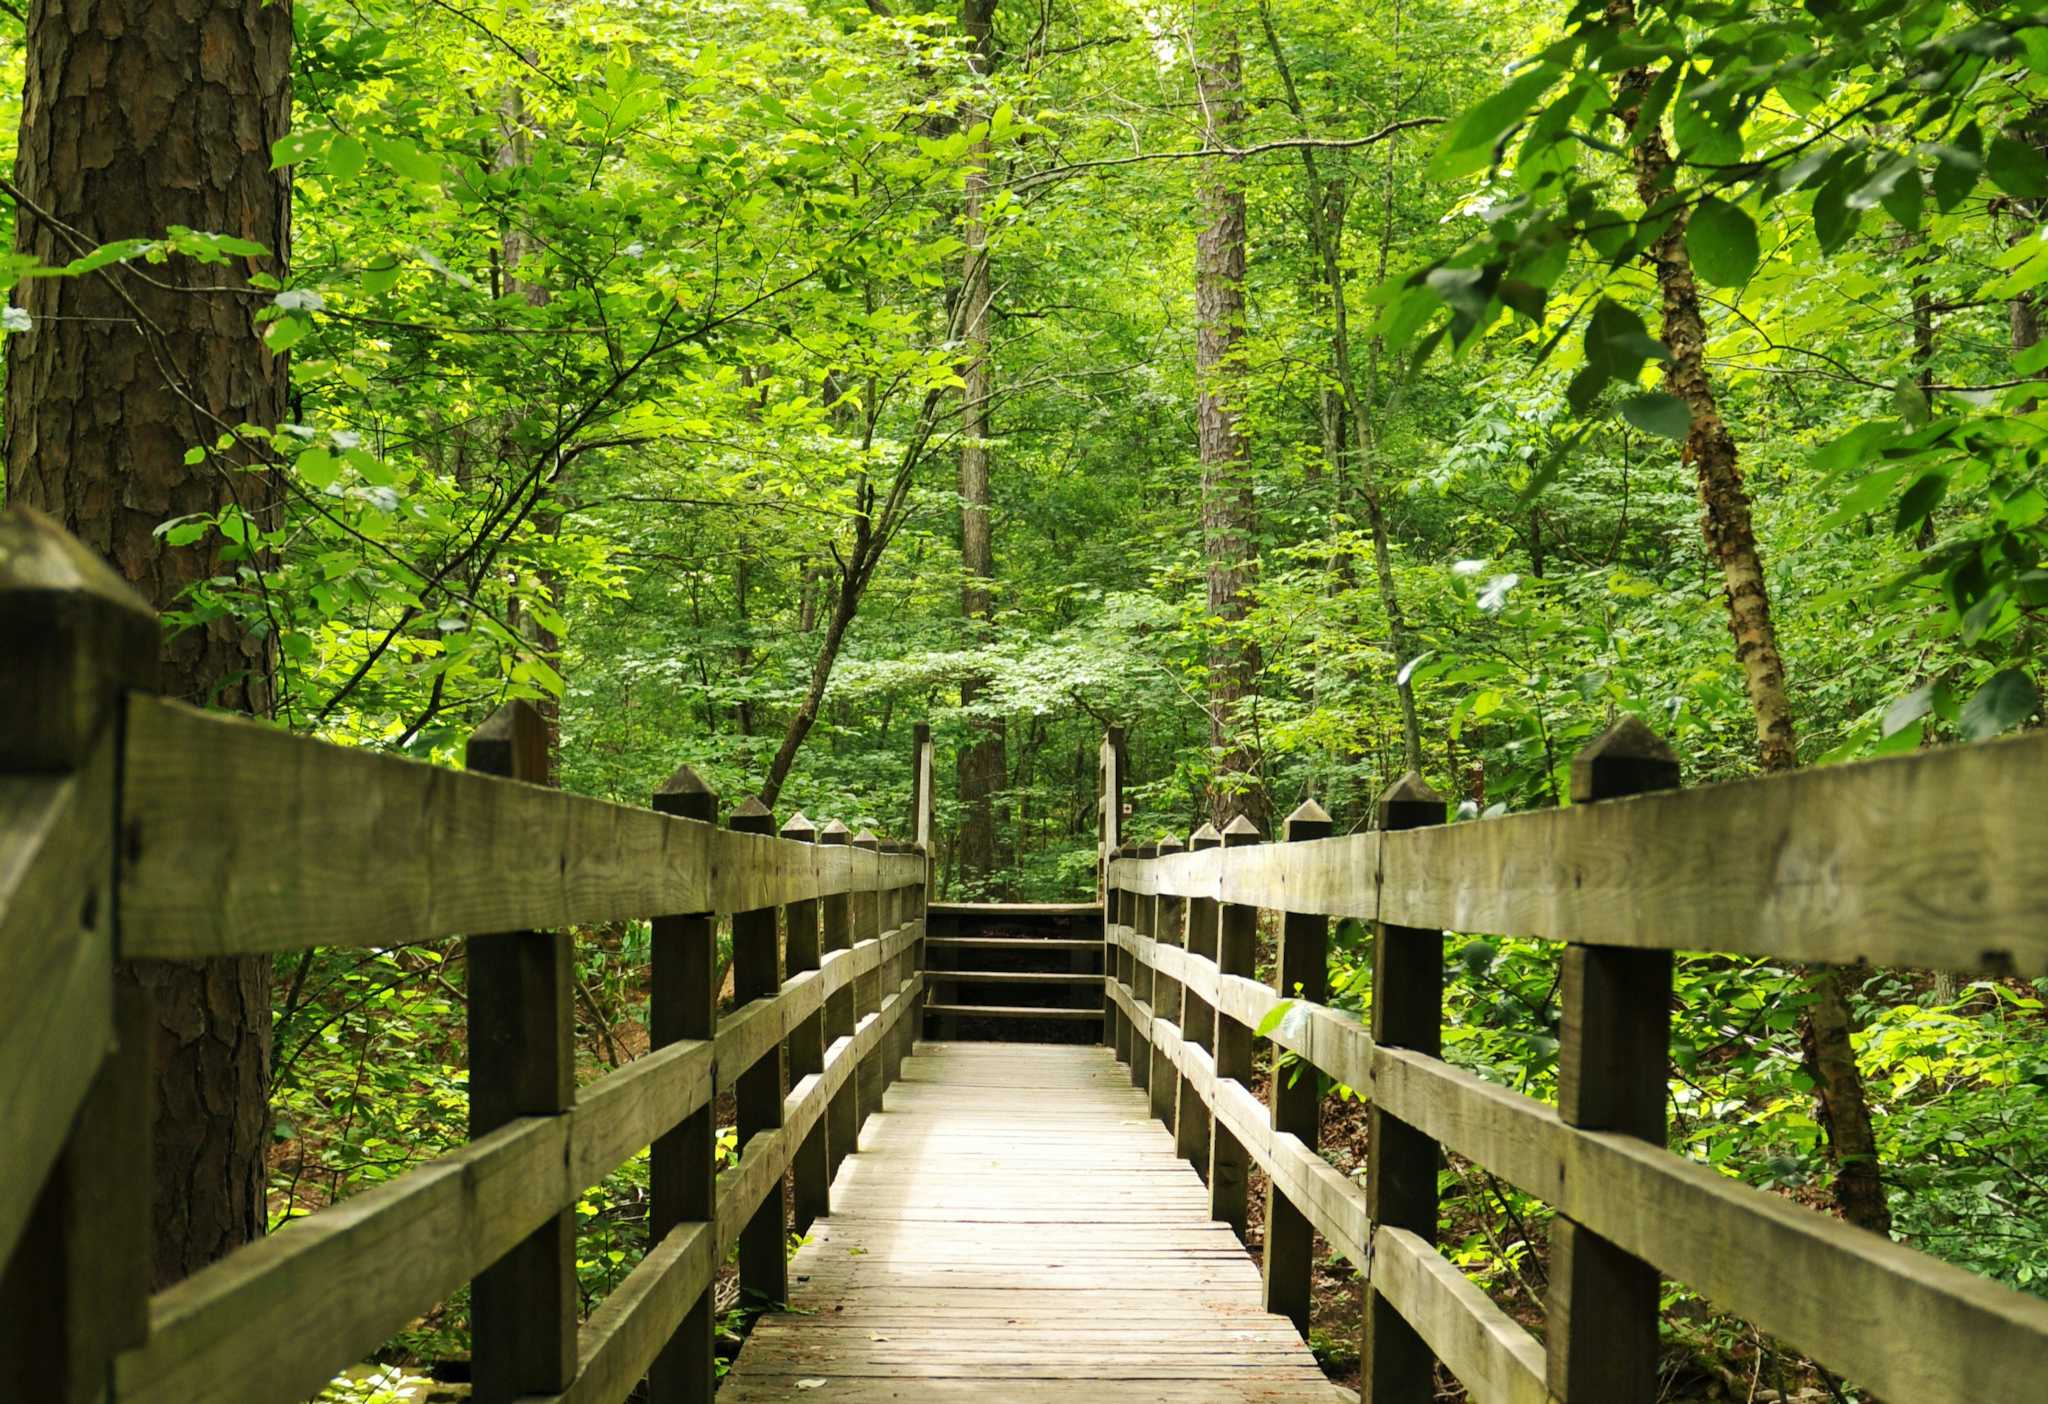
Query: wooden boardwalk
(1016, 1226)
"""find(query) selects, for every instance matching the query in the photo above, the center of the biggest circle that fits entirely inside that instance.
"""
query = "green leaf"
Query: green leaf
(1957, 165)
(1273, 1017)
(294, 147)
(1722, 241)
(2016, 168)
(346, 157)
(381, 276)
(286, 332)
(2000, 705)
(406, 159)
(1658, 413)
(1468, 146)
(1920, 500)
(1908, 709)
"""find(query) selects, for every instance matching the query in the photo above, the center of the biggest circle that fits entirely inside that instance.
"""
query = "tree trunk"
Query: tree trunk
(982, 764)
(1731, 540)
(136, 116)
(1228, 521)
(1325, 239)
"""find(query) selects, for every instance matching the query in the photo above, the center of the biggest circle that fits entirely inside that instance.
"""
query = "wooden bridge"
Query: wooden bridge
(1014, 1219)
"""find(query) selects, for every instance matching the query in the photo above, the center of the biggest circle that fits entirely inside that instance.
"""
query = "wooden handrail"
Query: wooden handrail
(134, 827)
(1925, 851)
(1929, 860)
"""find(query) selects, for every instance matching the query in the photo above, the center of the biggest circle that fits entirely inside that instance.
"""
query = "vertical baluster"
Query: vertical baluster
(811, 1195)
(867, 925)
(1400, 1182)
(835, 913)
(1166, 930)
(682, 1003)
(1142, 910)
(756, 974)
(1116, 1030)
(1197, 1018)
(523, 1308)
(74, 1283)
(1612, 1075)
(1237, 932)
(1302, 971)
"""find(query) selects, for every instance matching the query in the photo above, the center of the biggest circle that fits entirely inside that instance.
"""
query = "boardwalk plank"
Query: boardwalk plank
(1016, 1225)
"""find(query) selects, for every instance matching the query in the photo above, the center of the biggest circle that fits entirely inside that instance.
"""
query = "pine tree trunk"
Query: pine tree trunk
(138, 115)
(1726, 520)
(1228, 520)
(982, 763)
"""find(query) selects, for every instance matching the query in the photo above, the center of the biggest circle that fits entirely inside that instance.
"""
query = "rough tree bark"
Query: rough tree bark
(1228, 520)
(983, 762)
(137, 115)
(1726, 520)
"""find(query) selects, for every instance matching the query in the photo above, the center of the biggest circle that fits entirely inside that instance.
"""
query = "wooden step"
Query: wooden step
(1010, 1011)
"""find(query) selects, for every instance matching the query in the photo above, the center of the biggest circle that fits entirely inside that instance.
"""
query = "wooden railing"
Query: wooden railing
(1933, 860)
(132, 828)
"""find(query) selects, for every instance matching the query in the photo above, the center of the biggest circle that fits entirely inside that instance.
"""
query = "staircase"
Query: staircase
(1014, 971)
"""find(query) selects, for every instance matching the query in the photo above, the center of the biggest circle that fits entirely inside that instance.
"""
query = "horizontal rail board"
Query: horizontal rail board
(1487, 1350)
(1919, 1328)
(1927, 860)
(637, 1318)
(1011, 1011)
(1971, 1338)
(350, 1276)
(1013, 943)
(56, 976)
(1014, 977)
(1015, 909)
(341, 1282)
(249, 840)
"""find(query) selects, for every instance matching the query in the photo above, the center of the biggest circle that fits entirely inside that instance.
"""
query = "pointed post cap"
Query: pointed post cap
(800, 829)
(76, 636)
(752, 817)
(685, 795)
(512, 743)
(866, 839)
(1309, 821)
(1409, 803)
(1241, 831)
(1170, 843)
(1205, 837)
(1626, 759)
(834, 832)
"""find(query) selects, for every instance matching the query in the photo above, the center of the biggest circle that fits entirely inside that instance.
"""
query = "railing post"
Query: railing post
(835, 914)
(1116, 1032)
(1301, 971)
(76, 1260)
(1613, 1075)
(811, 1192)
(757, 974)
(682, 1003)
(1142, 908)
(1110, 805)
(1400, 1184)
(521, 1063)
(1166, 930)
(921, 786)
(1197, 1019)
(867, 925)
(1237, 932)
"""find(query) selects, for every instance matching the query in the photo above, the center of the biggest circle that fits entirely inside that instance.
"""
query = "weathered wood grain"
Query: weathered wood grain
(1925, 860)
(248, 840)
(1486, 1350)
(339, 1283)
(56, 968)
(1837, 1293)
